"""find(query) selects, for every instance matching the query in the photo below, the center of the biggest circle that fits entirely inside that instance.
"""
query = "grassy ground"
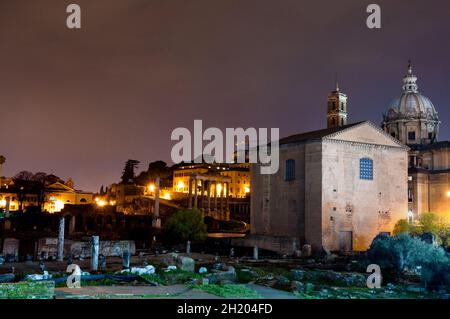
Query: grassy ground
(28, 290)
(229, 291)
(362, 293)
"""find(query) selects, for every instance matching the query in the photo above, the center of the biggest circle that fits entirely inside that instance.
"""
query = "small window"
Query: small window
(289, 174)
(410, 195)
(366, 169)
(411, 136)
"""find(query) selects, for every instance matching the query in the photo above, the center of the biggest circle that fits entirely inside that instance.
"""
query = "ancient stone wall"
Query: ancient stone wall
(363, 207)
(48, 246)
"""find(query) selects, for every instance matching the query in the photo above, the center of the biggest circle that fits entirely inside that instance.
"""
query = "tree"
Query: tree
(24, 176)
(40, 182)
(403, 226)
(128, 171)
(2, 161)
(155, 169)
(429, 223)
(186, 225)
(397, 254)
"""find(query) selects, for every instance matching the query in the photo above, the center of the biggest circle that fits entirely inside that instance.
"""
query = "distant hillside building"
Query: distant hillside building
(239, 175)
(52, 197)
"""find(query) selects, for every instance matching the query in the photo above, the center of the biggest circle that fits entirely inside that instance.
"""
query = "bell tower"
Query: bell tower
(337, 108)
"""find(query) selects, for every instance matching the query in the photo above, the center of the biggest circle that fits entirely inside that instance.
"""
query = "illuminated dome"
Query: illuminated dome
(412, 117)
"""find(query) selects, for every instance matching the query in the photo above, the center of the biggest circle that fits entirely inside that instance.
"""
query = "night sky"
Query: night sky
(80, 103)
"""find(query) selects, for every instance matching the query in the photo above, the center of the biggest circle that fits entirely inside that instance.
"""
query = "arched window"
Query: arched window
(366, 168)
(289, 173)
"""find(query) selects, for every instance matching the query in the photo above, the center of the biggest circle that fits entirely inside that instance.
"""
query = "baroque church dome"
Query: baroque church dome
(412, 117)
(411, 104)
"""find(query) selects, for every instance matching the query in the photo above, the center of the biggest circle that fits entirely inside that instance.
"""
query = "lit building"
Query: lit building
(53, 197)
(413, 119)
(239, 174)
(58, 195)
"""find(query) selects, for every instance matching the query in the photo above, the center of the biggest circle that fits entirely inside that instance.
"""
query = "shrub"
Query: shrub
(186, 225)
(403, 226)
(428, 223)
(397, 254)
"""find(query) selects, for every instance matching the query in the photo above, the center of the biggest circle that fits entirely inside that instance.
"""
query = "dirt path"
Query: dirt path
(270, 293)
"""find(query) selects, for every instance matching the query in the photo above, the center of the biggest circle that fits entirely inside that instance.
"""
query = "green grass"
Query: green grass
(229, 291)
(101, 282)
(28, 290)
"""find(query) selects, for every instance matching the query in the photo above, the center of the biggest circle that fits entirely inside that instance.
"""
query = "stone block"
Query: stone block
(186, 264)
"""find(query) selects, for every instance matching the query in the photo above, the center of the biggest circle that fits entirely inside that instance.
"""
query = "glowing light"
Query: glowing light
(180, 185)
(97, 199)
(167, 196)
(246, 189)
(2, 203)
(219, 188)
(448, 194)
(101, 203)
(151, 188)
(59, 205)
(112, 202)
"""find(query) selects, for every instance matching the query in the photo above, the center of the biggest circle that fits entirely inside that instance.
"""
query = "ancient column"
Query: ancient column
(209, 196)
(60, 248)
(195, 192)
(221, 199)
(227, 194)
(72, 224)
(94, 252)
(126, 256)
(255, 252)
(215, 197)
(190, 193)
(202, 194)
(156, 213)
(188, 247)
(8, 204)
